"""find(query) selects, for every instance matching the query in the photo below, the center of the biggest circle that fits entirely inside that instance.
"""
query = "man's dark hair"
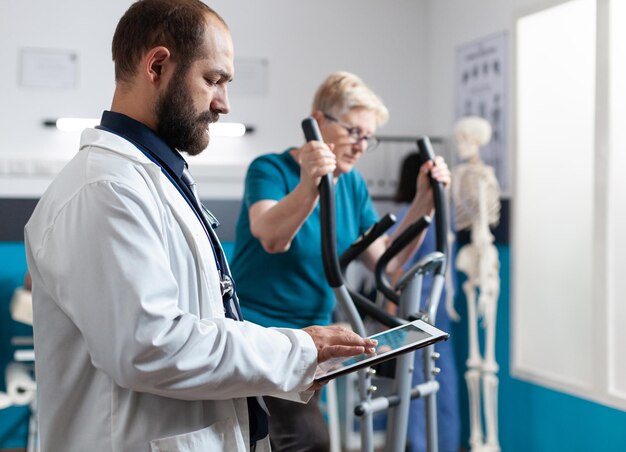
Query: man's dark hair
(178, 25)
(408, 178)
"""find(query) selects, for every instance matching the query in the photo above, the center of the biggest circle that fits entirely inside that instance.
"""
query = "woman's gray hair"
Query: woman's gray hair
(342, 92)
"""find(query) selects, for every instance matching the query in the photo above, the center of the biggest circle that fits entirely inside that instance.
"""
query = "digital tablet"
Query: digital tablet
(391, 343)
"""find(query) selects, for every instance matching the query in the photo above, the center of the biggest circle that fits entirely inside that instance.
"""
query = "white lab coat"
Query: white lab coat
(133, 352)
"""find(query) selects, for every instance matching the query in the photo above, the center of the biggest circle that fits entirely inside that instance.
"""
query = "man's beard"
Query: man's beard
(178, 123)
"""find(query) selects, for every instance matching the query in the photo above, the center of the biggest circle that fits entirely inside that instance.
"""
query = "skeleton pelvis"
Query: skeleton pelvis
(471, 258)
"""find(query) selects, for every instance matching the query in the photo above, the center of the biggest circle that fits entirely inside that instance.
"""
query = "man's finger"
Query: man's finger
(340, 351)
(350, 338)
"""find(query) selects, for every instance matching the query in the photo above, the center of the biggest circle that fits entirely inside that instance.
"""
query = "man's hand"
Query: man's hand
(336, 341)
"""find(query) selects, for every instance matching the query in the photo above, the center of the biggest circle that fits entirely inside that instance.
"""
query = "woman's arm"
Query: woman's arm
(421, 205)
(276, 223)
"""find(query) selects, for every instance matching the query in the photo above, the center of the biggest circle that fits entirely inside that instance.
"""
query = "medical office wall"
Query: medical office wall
(57, 63)
(561, 346)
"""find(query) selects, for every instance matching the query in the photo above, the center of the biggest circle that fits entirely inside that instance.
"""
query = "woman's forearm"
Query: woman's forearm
(276, 223)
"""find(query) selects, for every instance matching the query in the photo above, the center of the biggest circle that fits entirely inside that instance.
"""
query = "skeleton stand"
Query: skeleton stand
(476, 197)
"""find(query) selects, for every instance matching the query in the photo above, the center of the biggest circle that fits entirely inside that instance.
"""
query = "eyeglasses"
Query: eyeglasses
(355, 134)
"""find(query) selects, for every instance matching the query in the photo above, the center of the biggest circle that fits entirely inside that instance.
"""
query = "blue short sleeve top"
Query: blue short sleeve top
(290, 289)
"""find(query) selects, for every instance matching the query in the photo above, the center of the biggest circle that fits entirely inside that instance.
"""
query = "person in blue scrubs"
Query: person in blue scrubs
(448, 409)
(277, 260)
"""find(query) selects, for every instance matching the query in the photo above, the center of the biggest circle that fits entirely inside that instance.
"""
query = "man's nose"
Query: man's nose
(220, 102)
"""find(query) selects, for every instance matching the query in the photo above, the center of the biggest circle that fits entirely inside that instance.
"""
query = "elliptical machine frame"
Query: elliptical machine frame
(408, 301)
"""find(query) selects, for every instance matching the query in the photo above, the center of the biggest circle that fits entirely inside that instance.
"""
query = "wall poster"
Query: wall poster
(481, 90)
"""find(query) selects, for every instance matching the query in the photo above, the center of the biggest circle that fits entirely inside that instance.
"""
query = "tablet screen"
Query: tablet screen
(391, 343)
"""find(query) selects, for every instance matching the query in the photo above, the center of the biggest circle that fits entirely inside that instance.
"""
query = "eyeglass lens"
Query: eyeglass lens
(355, 134)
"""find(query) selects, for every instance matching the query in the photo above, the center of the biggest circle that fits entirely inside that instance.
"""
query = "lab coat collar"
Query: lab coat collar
(144, 137)
(114, 143)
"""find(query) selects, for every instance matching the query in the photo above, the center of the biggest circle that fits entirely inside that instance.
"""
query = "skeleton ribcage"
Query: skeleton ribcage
(465, 194)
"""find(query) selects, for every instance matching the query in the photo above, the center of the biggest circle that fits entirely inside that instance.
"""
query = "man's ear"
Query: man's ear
(156, 62)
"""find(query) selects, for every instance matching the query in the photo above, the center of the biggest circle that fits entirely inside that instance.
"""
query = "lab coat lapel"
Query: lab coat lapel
(196, 237)
(199, 243)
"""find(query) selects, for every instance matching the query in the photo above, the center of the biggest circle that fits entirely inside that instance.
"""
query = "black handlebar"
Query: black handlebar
(329, 243)
(367, 307)
(405, 237)
(311, 130)
(368, 237)
(327, 213)
(441, 220)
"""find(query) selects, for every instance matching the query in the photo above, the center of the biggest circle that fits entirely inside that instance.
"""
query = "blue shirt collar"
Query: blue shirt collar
(146, 138)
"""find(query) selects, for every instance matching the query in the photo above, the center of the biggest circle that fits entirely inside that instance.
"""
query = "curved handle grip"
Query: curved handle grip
(329, 243)
(406, 237)
(441, 218)
(327, 213)
(368, 307)
(366, 239)
(424, 265)
(311, 129)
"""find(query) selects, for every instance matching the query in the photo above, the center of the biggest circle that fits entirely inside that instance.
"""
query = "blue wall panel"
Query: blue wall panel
(13, 420)
(531, 417)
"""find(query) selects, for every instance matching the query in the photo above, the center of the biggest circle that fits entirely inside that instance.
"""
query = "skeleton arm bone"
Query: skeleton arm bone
(482, 241)
(481, 235)
(450, 290)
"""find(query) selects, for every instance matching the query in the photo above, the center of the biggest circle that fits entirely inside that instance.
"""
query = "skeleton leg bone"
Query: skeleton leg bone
(490, 394)
(474, 365)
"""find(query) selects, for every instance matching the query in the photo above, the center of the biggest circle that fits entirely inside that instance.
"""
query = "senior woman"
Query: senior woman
(277, 259)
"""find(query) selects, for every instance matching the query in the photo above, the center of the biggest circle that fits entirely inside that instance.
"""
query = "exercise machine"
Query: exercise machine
(406, 294)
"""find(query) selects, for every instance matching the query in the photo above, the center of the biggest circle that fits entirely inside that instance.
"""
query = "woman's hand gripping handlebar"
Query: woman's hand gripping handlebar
(330, 260)
(441, 220)
(327, 213)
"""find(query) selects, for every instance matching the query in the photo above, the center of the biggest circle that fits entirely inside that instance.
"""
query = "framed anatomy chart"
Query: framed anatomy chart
(481, 90)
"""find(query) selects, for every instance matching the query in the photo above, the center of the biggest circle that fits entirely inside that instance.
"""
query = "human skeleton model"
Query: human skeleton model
(476, 199)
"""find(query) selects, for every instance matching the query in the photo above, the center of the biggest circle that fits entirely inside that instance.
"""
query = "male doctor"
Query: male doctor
(139, 339)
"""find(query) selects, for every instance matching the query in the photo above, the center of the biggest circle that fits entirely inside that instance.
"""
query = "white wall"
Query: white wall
(305, 41)
(553, 240)
(53, 25)
(617, 200)
(452, 23)
(302, 42)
